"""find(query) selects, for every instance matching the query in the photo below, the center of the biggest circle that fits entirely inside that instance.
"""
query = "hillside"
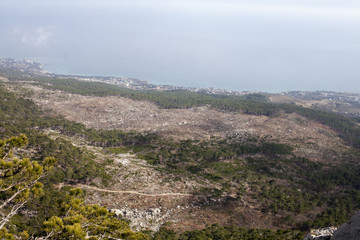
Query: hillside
(342, 103)
(184, 159)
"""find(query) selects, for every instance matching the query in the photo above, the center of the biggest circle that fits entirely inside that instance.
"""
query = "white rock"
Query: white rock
(321, 234)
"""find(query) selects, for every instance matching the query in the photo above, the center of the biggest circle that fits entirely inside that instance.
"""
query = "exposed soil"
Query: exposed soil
(311, 139)
(132, 192)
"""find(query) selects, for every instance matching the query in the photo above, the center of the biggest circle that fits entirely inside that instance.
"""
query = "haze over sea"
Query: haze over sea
(255, 45)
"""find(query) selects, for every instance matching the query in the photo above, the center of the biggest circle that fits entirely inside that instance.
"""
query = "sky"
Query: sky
(243, 45)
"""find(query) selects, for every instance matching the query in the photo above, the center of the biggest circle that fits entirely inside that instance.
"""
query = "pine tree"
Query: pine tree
(82, 221)
(19, 180)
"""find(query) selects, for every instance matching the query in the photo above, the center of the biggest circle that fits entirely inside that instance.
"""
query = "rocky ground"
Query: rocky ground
(311, 139)
(149, 197)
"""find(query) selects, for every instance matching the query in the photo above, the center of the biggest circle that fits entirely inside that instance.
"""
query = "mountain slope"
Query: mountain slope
(238, 161)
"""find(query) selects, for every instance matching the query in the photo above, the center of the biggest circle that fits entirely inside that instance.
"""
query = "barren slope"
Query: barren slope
(311, 139)
(150, 195)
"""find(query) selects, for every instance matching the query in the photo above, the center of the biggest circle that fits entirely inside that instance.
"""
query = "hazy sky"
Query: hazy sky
(240, 45)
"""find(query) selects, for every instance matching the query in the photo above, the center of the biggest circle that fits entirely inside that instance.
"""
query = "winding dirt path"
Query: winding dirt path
(132, 192)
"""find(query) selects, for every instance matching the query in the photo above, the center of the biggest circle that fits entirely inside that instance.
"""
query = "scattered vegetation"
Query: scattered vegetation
(230, 162)
(20, 184)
